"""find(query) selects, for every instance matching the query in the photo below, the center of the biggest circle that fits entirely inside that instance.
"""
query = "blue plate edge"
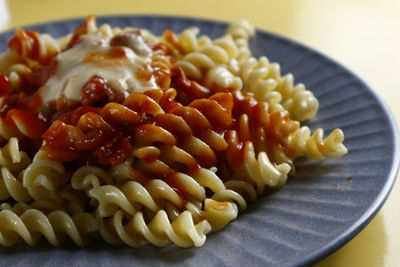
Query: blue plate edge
(379, 201)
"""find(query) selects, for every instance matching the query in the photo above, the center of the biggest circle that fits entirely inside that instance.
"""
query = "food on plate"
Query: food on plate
(135, 138)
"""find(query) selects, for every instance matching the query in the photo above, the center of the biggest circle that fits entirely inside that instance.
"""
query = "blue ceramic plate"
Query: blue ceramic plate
(320, 209)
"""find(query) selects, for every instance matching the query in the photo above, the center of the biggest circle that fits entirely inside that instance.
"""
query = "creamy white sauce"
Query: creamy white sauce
(128, 72)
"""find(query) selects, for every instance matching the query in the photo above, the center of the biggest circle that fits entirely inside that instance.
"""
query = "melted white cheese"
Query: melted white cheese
(125, 70)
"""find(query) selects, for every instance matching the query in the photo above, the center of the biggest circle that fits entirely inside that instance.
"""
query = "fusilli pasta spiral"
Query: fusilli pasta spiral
(159, 231)
(55, 227)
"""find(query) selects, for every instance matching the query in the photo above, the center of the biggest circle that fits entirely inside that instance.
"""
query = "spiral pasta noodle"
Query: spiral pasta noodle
(119, 134)
(11, 157)
(159, 231)
(261, 80)
(301, 103)
(11, 186)
(208, 60)
(55, 226)
(241, 31)
(44, 172)
(314, 146)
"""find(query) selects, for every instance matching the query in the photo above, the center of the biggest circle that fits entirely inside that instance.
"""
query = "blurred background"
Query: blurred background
(364, 35)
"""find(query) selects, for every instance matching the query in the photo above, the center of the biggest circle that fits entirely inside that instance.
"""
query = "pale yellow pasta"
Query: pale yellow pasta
(241, 31)
(259, 171)
(43, 172)
(259, 77)
(44, 206)
(246, 190)
(188, 40)
(16, 74)
(221, 77)
(89, 177)
(208, 57)
(18, 208)
(314, 146)
(47, 46)
(210, 180)
(122, 172)
(11, 186)
(7, 59)
(55, 227)
(131, 195)
(160, 190)
(11, 157)
(160, 231)
(300, 103)
(218, 214)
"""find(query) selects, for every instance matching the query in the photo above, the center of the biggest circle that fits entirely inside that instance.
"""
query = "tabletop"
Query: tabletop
(361, 34)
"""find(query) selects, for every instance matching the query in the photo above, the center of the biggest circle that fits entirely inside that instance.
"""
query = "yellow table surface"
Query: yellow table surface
(364, 35)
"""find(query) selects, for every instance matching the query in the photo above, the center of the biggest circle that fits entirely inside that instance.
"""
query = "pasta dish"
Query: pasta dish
(134, 138)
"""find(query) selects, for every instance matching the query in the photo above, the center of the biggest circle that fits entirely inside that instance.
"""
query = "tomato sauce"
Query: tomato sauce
(4, 85)
(105, 126)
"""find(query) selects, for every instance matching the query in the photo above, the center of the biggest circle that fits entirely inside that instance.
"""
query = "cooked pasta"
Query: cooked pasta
(119, 134)
(55, 227)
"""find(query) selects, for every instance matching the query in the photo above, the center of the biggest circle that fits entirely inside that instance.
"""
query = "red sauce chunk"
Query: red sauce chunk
(96, 92)
(4, 85)
(31, 124)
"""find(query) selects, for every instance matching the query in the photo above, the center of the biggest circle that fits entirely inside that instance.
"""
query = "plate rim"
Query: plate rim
(365, 218)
